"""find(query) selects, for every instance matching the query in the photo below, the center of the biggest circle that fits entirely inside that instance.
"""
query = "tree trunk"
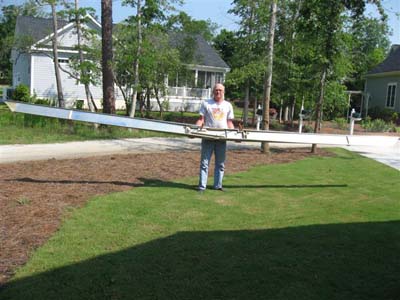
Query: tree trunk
(148, 103)
(293, 108)
(246, 103)
(320, 102)
(157, 94)
(254, 111)
(107, 57)
(81, 59)
(137, 60)
(60, 96)
(268, 76)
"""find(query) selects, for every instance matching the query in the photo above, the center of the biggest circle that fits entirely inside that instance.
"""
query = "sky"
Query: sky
(217, 12)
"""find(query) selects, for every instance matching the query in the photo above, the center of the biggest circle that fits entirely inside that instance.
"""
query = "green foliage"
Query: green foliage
(386, 114)
(21, 93)
(308, 128)
(156, 60)
(370, 43)
(47, 102)
(183, 23)
(275, 125)
(376, 125)
(79, 104)
(336, 100)
(341, 123)
(165, 105)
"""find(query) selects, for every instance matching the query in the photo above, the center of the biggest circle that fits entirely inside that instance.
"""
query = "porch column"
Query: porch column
(196, 75)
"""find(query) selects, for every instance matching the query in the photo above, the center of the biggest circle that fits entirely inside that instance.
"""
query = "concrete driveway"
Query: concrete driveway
(388, 154)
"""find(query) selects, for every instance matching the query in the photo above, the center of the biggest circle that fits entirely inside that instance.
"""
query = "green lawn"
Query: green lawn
(17, 128)
(320, 228)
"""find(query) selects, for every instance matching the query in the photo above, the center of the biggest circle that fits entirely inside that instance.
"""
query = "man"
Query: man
(214, 113)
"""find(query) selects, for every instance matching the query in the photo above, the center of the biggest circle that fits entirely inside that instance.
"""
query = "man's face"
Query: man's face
(219, 92)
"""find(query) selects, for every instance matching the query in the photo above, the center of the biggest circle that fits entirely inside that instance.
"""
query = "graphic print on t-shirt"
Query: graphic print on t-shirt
(218, 114)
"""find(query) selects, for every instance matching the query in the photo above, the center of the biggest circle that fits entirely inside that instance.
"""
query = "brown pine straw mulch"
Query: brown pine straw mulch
(35, 196)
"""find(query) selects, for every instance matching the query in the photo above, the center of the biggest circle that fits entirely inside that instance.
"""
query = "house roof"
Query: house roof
(390, 64)
(204, 54)
(207, 55)
(39, 28)
(36, 28)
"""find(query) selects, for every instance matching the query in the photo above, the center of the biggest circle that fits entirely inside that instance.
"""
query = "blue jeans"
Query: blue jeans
(207, 149)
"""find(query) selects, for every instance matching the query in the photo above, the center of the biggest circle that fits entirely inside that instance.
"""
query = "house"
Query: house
(382, 83)
(35, 68)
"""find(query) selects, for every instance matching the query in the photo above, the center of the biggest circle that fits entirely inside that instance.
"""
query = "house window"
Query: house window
(219, 78)
(201, 79)
(391, 95)
(63, 60)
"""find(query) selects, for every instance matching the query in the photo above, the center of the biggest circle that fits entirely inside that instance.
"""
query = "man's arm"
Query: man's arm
(230, 124)
(200, 121)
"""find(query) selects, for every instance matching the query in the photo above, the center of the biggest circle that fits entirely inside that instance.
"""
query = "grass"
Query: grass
(320, 228)
(17, 128)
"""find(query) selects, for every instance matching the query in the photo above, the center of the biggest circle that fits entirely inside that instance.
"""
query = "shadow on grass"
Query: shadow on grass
(161, 183)
(335, 261)
(33, 180)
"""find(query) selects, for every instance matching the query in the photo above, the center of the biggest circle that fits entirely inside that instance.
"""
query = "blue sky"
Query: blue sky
(217, 11)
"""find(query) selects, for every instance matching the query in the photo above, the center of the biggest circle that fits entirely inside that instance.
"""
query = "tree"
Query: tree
(370, 44)
(54, 41)
(147, 15)
(85, 68)
(247, 71)
(137, 58)
(107, 57)
(182, 22)
(268, 76)
(322, 26)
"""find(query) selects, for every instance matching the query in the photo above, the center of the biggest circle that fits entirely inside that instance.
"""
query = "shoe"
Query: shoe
(220, 189)
(200, 190)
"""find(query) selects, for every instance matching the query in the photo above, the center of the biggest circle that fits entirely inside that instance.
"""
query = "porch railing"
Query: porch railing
(186, 92)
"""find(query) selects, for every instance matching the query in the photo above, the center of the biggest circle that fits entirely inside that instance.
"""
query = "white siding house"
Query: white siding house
(35, 68)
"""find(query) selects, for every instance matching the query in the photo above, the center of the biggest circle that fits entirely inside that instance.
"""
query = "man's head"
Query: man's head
(218, 92)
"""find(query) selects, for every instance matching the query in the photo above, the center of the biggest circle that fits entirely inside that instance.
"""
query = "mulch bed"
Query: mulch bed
(36, 196)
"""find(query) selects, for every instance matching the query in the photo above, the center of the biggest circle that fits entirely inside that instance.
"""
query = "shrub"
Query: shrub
(377, 125)
(43, 102)
(79, 104)
(21, 93)
(308, 129)
(275, 125)
(341, 123)
(386, 114)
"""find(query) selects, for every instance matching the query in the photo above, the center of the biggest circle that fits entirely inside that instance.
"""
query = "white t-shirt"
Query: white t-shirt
(216, 114)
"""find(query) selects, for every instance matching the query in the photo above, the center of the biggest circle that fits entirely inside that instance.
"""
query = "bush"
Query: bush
(47, 102)
(275, 125)
(377, 125)
(341, 123)
(79, 104)
(386, 114)
(21, 93)
(308, 129)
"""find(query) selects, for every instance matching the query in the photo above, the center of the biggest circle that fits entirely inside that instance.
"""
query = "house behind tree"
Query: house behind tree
(33, 66)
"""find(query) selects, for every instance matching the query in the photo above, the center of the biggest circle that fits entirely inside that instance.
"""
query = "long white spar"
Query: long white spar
(195, 131)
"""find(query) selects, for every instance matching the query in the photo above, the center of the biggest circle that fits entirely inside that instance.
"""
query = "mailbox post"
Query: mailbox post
(304, 114)
(353, 118)
(259, 114)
